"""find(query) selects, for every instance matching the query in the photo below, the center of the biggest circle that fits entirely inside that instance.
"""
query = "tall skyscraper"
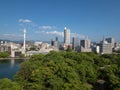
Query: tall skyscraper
(66, 36)
(74, 43)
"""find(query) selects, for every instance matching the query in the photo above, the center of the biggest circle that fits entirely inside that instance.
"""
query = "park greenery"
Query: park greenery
(67, 70)
(4, 54)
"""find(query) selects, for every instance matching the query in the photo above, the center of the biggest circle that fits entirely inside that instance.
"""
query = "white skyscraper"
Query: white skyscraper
(66, 36)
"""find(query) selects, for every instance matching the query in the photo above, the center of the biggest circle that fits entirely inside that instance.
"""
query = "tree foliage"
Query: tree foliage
(4, 54)
(53, 71)
(69, 71)
(6, 84)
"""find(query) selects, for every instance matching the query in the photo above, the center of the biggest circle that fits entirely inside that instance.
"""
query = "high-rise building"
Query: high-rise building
(95, 47)
(105, 47)
(56, 38)
(66, 36)
(85, 45)
(111, 40)
(55, 43)
(75, 43)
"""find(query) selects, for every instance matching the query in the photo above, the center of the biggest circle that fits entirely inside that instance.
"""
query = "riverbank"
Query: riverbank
(14, 58)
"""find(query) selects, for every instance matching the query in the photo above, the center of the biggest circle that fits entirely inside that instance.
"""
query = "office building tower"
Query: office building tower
(66, 36)
(85, 45)
(111, 40)
(56, 38)
(55, 43)
(75, 43)
(95, 47)
(105, 47)
(52, 42)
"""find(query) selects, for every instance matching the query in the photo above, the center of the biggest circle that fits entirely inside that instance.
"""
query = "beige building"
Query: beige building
(106, 48)
(66, 36)
(85, 45)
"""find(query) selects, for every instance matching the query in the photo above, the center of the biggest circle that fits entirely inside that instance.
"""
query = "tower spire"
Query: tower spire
(24, 43)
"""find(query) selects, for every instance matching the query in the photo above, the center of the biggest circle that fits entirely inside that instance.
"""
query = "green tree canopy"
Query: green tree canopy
(6, 84)
(67, 71)
(4, 54)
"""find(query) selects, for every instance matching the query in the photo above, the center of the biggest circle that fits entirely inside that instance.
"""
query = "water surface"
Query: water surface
(8, 68)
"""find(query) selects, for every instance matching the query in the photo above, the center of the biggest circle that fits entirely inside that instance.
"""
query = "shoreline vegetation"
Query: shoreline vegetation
(26, 58)
(6, 56)
(67, 71)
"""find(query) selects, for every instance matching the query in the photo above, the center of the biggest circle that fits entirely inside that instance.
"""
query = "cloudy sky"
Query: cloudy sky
(46, 19)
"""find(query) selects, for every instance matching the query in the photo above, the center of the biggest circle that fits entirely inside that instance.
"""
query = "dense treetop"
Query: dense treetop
(4, 54)
(68, 71)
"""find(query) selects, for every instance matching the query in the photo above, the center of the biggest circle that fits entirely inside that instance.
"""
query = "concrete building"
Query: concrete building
(75, 43)
(37, 43)
(66, 36)
(67, 39)
(55, 43)
(111, 40)
(85, 45)
(117, 47)
(105, 47)
(95, 47)
(3, 42)
(16, 51)
(5, 48)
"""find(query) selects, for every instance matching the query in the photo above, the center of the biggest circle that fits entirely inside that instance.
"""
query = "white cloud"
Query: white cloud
(46, 27)
(81, 36)
(24, 21)
(55, 33)
(51, 33)
(12, 36)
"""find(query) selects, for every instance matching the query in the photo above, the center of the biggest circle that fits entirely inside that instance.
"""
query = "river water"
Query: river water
(8, 68)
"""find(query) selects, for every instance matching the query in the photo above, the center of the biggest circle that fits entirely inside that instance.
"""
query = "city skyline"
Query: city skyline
(45, 19)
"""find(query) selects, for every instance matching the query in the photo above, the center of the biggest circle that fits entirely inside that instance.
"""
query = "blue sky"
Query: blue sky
(45, 19)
